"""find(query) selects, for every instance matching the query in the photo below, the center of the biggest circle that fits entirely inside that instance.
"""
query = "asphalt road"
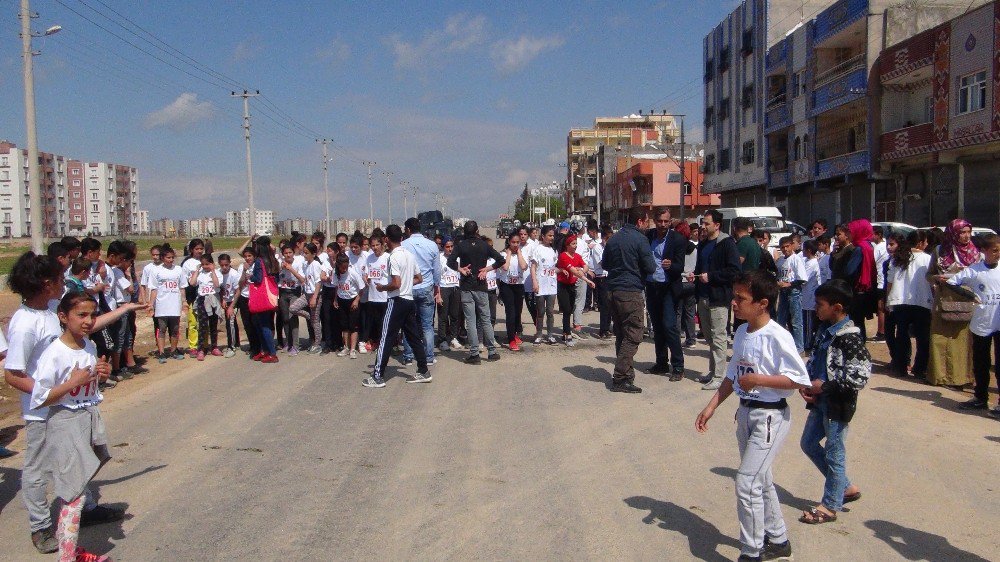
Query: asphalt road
(528, 458)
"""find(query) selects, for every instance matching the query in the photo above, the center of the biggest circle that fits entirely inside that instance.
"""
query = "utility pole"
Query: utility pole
(404, 186)
(371, 198)
(251, 211)
(597, 175)
(388, 191)
(683, 171)
(415, 211)
(326, 187)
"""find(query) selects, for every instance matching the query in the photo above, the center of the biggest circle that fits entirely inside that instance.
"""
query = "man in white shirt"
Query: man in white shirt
(881, 255)
(401, 312)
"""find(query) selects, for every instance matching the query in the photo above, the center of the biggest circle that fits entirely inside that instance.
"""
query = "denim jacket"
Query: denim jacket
(841, 360)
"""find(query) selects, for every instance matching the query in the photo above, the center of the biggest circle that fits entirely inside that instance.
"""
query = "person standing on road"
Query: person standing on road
(449, 300)
(717, 267)
(543, 278)
(401, 312)
(512, 289)
(600, 280)
(529, 241)
(570, 268)
(687, 305)
(628, 261)
(469, 259)
(662, 288)
(425, 254)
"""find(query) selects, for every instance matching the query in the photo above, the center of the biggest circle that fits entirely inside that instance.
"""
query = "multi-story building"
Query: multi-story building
(288, 226)
(164, 227)
(937, 123)
(143, 226)
(342, 225)
(200, 227)
(583, 145)
(15, 204)
(237, 223)
(653, 179)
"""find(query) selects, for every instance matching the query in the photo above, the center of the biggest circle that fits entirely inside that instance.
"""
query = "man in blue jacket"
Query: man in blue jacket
(628, 261)
(662, 286)
(717, 267)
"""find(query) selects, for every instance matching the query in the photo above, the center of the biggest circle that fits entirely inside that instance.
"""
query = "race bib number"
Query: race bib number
(451, 278)
(205, 289)
(745, 368)
(169, 286)
(548, 272)
(514, 279)
(84, 392)
(346, 287)
(491, 283)
(376, 274)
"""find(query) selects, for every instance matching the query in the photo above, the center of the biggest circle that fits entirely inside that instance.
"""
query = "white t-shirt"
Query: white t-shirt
(168, 283)
(596, 256)
(792, 268)
(55, 367)
(491, 276)
(205, 284)
(375, 269)
(287, 279)
(357, 260)
(323, 257)
(881, 255)
(328, 270)
(583, 247)
(230, 283)
(528, 251)
(190, 265)
(29, 333)
(808, 296)
(245, 271)
(449, 277)
(985, 282)
(770, 351)
(311, 273)
(147, 273)
(825, 274)
(349, 284)
(910, 285)
(96, 277)
(514, 275)
(545, 258)
(118, 284)
(402, 264)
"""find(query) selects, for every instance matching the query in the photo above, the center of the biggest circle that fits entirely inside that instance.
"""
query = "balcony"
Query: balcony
(776, 56)
(837, 18)
(844, 89)
(846, 67)
(842, 165)
(902, 64)
(908, 141)
(777, 118)
(777, 179)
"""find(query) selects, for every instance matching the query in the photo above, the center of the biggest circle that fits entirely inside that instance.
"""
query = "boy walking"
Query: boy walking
(792, 276)
(839, 367)
(764, 372)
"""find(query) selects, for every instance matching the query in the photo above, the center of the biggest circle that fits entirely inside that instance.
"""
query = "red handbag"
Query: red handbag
(263, 295)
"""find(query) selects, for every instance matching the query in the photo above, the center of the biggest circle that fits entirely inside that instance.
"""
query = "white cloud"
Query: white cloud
(336, 52)
(182, 113)
(511, 55)
(461, 32)
(246, 50)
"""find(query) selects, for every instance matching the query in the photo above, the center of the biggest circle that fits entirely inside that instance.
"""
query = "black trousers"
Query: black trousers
(666, 334)
(981, 362)
(909, 319)
(331, 326)
(400, 314)
(529, 303)
(512, 297)
(376, 316)
(566, 295)
(243, 304)
(603, 304)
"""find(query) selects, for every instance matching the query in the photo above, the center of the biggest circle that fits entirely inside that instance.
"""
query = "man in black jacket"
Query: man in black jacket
(662, 286)
(718, 265)
(469, 259)
(628, 261)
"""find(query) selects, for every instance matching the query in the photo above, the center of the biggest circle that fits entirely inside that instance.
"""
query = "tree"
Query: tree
(523, 208)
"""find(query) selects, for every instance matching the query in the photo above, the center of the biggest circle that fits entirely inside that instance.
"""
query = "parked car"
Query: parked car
(889, 228)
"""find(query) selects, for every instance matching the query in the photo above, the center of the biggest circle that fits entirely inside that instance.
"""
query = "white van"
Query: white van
(768, 219)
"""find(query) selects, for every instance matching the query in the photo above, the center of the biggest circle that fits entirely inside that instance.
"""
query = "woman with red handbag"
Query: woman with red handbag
(264, 298)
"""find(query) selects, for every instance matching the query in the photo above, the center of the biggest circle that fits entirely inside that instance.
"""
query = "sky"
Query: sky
(467, 99)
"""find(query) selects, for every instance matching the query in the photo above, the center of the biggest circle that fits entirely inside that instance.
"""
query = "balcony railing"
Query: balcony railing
(776, 55)
(844, 89)
(845, 67)
(908, 141)
(778, 178)
(842, 165)
(837, 17)
(776, 100)
(777, 118)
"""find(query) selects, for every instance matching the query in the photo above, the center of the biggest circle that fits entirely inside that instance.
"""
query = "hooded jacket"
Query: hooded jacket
(723, 267)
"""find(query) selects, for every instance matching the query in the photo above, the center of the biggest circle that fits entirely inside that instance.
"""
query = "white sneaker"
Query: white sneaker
(539, 340)
(553, 340)
(421, 378)
(342, 352)
(372, 382)
(570, 342)
(455, 344)
(362, 348)
(354, 354)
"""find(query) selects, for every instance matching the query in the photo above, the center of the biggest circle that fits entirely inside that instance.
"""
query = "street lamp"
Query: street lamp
(35, 200)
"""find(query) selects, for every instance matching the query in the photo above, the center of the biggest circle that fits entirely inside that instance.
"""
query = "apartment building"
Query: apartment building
(237, 223)
(287, 226)
(937, 122)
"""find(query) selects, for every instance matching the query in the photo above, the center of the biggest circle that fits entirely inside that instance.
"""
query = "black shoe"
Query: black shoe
(995, 412)
(974, 404)
(100, 515)
(492, 357)
(625, 387)
(45, 540)
(879, 337)
(748, 558)
(690, 343)
(407, 362)
(677, 374)
(658, 370)
(473, 360)
(776, 551)
(705, 380)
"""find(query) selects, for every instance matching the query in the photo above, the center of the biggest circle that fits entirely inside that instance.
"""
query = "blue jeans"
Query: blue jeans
(666, 333)
(263, 322)
(423, 299)
(790, 312)
(831, 458)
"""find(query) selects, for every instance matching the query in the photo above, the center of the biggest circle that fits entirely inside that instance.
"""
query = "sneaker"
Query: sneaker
(200, 356)
(626, 387)
(539, 340)
(135, 369)
(45, 540)
(228, 353)
(995, 412)
(570, 342)
(269, 359)
(553, 340)
(776, 551)
(362, 348)
(712, 385)
(354, 354)
(879, 337)
(216, 352)
(315, 349)
(116, 376)
(493, 357)
(372, 382)
(515, 346)
(974, 404)
(455, 344)
(420, 377)
(473, 360)
(342, 352)
(677, 374)
(125, 374)
(84, 556)
(161, 358)
(444, 346)
(658, 370)
(406, 362)
(689, 343)
(100, 515)
(293, 351)
(433, 361)
(179, 355)
(748, 558)
(193, 351)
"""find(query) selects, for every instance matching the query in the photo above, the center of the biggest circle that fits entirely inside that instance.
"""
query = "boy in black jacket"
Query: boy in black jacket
(839, 367)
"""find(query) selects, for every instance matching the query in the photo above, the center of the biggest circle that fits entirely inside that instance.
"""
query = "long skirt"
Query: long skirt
(951, 352)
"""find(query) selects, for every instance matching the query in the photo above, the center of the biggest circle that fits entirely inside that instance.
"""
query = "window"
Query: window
(972, 92)
(75, 194)
(709, 70)
(747, 47)
(93, 196)
(6, 217)
(748, 96)
(724, 57)
(687, 188)
(76, 183)
(709, 116)
(77, 207)
(797, 149)
(75, 172)
(724, 109)
(4, 161)
(710, 164)
(5, 175)
(798, 83)
(674, 177)
(78, 218)
(748, 155)
(95, 207)
(724, 158)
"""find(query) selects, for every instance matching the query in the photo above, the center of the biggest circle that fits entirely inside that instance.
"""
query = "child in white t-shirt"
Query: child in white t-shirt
(376, 272)
(543, 279)
(349, 287)
(909, 300)
(229, 284)
(764, 371)
(308, 304)
(982, 280)
(808, 297)
(791, 278)
(167, 301)
(207, 306)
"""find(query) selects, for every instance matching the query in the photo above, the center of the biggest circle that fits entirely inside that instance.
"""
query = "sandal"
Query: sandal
(848, 498)
(816, 517)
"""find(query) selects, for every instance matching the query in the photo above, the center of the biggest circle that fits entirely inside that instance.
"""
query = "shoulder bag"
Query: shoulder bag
(263, 295)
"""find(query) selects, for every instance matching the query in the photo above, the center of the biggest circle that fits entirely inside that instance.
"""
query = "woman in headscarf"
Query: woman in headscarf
(951, 355)
(854, 263)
